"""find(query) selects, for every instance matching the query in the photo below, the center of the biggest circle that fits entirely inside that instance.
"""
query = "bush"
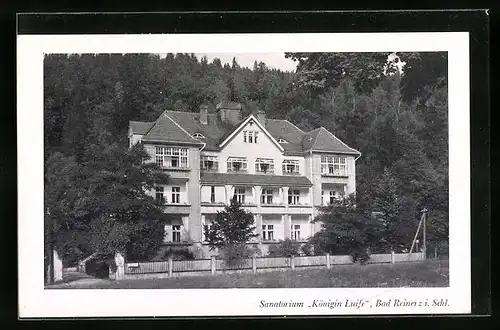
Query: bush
(234, 254)
(307, 249)
(178, 254)
(98, 266)
(286, 248)
(359, 255)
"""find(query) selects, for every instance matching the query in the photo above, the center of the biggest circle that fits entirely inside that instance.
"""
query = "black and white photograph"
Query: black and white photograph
(179, 168)
(321, 169)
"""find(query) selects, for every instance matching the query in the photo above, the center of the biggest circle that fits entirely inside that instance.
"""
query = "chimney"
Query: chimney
(204, 114)
(261, 117)
(229, 112)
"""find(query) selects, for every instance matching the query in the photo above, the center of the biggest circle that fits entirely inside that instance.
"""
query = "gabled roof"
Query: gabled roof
(242, 124)
(190, 121)
(179, 126)
(309, 139)
(284, 129)
(255, 179)
(321, 139)
(140, 127)
(167, 130)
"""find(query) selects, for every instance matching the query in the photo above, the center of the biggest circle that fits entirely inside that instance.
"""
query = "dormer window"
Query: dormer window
(282, 141)
(198, 136)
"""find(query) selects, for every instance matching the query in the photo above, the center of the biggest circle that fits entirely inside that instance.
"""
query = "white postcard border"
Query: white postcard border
(34, 301)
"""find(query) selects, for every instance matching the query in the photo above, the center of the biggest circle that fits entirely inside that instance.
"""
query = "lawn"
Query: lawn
(431, 273)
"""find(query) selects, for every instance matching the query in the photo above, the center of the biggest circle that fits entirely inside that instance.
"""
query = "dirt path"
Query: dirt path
(72, 279)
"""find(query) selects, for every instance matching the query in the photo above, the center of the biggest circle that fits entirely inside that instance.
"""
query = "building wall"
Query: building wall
(282, 217)
(264, 148)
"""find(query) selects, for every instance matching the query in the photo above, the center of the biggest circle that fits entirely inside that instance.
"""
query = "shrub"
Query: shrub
(234, 254)
(284, 248)
(98, 266)
(178, 254)
(307, 249)
(359, 255)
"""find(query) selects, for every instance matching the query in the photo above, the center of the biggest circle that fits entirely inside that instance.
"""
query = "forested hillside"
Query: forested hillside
(398, 121)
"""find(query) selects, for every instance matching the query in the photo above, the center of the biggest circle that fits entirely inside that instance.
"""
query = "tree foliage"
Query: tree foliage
(101, 205)
(284, 248)
(231, 226)
(397, 119)
(346, 229)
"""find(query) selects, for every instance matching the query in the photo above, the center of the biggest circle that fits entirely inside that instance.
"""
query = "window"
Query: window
(240, 195)
(266, 196)
(176, 195)
(333, 196)
(198, 136)
(176, 233)
(171, 157)
(264, 165)
(290, 166)
(160, 198)
(209, 163)
(172, 233)
(206, 227)
(236, 164)
(295, 230)
(267, 232)
(212, 194)
(250, 136)
(335, 165)
(293, 196)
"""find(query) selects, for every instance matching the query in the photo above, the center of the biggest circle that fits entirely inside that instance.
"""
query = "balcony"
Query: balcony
(298, 205)
(336, 174)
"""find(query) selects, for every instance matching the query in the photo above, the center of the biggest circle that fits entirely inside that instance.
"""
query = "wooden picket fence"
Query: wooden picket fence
(213, 265)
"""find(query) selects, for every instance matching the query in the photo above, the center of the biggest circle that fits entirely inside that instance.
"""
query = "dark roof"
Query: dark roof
(140, 127)
(213, 131)
(166, 129)
(326, 141)
(287, 131)
(309, 139)
(179, 126)
(255, 179)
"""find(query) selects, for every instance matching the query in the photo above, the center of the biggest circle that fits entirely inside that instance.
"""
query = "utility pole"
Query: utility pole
(424, 243)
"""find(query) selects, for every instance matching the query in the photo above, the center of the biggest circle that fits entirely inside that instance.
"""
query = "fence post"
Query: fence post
(328, 260)
(254, 264)
(393, 257)
(120, 266)
(435, 253)
(292, 262)
(58, 267)
(212, 265)
(170, 266)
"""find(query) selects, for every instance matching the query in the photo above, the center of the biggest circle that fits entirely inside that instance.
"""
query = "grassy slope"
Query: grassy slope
(432, 273)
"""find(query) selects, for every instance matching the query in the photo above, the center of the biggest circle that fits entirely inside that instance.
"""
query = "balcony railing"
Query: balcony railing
(335, 173)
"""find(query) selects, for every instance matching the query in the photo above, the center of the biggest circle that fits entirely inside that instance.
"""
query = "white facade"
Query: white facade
(281, 209)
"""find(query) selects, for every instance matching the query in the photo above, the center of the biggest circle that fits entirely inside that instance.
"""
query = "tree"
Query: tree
(102, 205)
(231, 226)
(346, 229)
(321, 71)
(284, 248)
